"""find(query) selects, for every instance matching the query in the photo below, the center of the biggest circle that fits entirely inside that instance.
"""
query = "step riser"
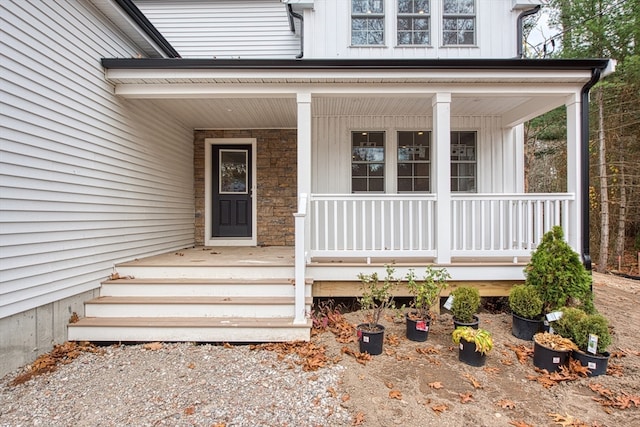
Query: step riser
(196, 272)
(190, 310)
(231, 334)
(208, 290)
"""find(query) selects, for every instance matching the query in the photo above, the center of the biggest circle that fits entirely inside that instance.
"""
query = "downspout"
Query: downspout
(520, 36)
(292, 15)
(584, 167)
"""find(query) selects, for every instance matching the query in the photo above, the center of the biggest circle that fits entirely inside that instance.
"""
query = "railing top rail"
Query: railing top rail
(412, 196)
(514, 196)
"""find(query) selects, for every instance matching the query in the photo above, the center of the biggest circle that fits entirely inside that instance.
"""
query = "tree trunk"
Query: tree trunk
(603, 256)
(622, 214)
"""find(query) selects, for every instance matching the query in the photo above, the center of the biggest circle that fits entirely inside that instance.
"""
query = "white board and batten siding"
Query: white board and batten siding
(328, 33)
(86, 179)
(331, 150)
(224, 28)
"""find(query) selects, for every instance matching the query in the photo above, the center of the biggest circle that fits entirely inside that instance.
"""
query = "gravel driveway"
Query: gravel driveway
(177, 385)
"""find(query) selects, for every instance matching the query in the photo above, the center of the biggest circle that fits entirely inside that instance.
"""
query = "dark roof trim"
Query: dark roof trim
(138, 17)
(355, 64)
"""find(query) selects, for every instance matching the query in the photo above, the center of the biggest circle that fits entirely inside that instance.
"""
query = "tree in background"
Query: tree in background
(601, 29)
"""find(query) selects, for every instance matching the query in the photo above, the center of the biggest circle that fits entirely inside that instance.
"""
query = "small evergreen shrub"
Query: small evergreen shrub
(595, 324)
(565, 326)
(525, 301)
(466, 302)
(559, 274)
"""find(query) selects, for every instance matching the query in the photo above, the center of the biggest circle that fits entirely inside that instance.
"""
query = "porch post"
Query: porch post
(441, 103)
(304, 188)
(574, 160)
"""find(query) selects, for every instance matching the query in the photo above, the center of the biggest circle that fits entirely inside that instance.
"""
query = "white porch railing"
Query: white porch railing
(403, 225)
(357, 225)
(509, 225)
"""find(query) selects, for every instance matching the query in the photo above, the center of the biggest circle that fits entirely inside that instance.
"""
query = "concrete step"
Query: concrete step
(153, 287)
(192, 306)
(193, 329)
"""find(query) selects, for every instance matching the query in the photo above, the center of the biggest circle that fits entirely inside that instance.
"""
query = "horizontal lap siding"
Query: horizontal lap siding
(86, 179)
(224, 29)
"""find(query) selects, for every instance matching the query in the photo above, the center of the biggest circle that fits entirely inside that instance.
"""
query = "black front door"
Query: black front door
(232, 191)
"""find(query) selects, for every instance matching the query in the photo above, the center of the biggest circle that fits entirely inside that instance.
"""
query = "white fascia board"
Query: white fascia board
(527, 4)
(125, 24)
(382, 76)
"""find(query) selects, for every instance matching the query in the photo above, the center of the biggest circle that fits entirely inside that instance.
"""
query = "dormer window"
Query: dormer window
(414, 22)
(459, 22)
(367, 22)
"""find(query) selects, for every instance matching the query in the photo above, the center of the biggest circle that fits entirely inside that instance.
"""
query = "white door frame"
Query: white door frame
(209, 240)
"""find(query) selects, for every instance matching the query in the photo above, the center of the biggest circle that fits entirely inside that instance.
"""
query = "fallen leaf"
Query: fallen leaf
(491, 370)
(465, 397)
(566, 420)
(152, 346)
(427, 350)
(473, 381)
(614, 369)
(219, 425)
(395, 394)
(332, 392)
(191, 365)
(388, 384)
(190, 410)
(392, 340)
(436, 385)
(358, 419)
(507, 404)
(74, 318)
(438, 409)
(227, 345)
(345, 397)
(520, 424)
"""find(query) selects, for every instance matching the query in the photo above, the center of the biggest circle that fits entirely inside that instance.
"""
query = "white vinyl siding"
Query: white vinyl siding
(224, 29)
(86, 179)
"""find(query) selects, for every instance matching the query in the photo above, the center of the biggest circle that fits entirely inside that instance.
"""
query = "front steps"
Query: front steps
(192, 308)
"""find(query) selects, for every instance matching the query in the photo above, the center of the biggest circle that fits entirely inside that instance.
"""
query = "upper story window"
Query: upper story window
(463, 162)
(367, 22)
(414, 22)
(414, 161)
(367, 162)
(459, 22)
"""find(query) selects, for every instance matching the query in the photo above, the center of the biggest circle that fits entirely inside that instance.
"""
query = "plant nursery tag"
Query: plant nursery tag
(592, 347)
(359, 334)
(448, 303)
(552, 317)
(555, 360)
(592, 365)
(421, 325)
(365, 338)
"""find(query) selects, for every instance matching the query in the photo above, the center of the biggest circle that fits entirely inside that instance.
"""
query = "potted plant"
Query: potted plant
(473, 344)
(465, 305)
(560, 276)
(426, 293)
(590, 333)
(551, 351)
(526, 309)
(377, 296)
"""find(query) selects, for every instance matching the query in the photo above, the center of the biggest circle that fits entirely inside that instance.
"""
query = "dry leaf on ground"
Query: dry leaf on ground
(465, 397)
(395, 394)
(437, 385)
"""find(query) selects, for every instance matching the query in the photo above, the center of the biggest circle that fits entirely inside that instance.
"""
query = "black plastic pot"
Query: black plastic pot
(474, 324)
(370, 341)
(525, 329)
(597, 363)
(548, 358)
(467, 353)
(417, 330)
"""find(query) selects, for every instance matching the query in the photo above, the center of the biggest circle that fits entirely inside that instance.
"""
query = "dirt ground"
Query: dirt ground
(418, 384)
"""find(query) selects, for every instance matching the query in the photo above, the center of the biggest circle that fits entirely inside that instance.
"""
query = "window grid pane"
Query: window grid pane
(414, 161)
(463, 162)
(367, 22)
(414, 22)
(459, 22)
(367, 162)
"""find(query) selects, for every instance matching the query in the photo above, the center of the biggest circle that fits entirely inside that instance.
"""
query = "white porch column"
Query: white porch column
(442, 162)
(304, 188)
(574, 161)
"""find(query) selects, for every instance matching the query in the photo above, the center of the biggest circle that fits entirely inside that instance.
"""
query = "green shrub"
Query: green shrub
(466, 302)
(565, 326)
(525, 301)
(559, 274)
(595, 324)
(377, 295)
(426, 291)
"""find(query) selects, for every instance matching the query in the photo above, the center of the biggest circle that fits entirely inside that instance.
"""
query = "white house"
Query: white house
(353, 133)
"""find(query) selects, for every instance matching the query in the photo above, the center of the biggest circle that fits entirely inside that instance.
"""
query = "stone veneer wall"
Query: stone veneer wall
(276, 182)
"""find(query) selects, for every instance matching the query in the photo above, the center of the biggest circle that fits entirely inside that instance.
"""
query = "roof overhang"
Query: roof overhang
(213, 93)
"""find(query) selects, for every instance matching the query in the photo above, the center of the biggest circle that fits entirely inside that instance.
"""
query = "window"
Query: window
(367, 162)
(414, 162)
(414, 22)
(459, 22)
(463, 162)
(367, 22)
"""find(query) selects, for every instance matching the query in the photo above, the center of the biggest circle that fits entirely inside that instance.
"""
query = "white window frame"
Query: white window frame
(414, 162)
(367, 177)
(455, 147)
(425, 14)
(459, 15)
(369, 14)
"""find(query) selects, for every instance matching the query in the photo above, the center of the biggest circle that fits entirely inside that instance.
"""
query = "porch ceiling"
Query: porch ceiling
(281, 112)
